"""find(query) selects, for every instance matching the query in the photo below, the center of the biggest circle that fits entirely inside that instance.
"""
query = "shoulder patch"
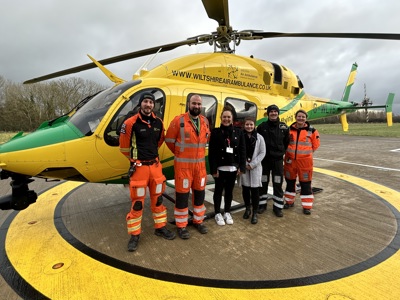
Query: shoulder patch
(122, 130)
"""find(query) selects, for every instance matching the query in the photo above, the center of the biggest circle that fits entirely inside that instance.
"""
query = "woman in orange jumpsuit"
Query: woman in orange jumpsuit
(304, 140)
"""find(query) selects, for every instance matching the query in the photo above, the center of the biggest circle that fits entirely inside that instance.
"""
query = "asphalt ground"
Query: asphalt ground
(72, 243)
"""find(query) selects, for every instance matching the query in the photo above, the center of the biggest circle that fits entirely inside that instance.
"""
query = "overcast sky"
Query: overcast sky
(44, 36)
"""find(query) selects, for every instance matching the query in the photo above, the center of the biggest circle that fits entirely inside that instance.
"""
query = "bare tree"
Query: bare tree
(25, 107)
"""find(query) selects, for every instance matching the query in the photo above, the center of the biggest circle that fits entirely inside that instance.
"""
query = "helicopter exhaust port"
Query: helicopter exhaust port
(21, 196)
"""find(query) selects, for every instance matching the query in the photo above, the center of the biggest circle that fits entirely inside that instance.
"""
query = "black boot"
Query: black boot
(254, 219)
(133, 243)
(165, 233)
(287, 205)
(278, 212)
(247, 212)
(262, 208)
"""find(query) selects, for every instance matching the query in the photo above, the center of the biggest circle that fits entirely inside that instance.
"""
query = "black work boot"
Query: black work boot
(278, 212)
(165, 233)
(183, 233)
(133, 243)
(287, 205)
(247, 212)
(201, 228)
(262, 208)
(254, 219)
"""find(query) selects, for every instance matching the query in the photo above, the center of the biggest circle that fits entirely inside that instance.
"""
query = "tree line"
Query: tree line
(360, 116)
(23, 107)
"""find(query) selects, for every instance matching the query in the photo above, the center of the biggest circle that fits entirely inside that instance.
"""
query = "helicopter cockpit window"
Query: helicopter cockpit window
(241, 109)
(130, 108)
(88, 117)
(209, 108)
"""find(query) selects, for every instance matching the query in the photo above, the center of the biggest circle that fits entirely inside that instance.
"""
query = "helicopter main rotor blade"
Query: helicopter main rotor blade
(218, 11)
(115, 59)
(377, 36)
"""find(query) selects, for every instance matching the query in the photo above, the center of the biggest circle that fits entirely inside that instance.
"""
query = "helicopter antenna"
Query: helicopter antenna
(147, 62)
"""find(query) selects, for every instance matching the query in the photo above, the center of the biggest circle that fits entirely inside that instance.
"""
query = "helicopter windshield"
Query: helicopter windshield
(88, 117)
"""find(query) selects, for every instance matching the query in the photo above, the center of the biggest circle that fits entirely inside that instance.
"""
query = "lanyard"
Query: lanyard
(196, 124)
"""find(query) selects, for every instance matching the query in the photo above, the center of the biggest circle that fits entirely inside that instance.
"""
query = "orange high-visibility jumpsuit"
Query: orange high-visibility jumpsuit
(299, 163)
(188, 142)
(139, 142)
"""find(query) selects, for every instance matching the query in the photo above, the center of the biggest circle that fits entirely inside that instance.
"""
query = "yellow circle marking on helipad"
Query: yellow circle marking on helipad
(34, 250)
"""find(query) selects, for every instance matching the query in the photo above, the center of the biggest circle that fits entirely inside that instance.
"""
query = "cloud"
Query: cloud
(45, 36)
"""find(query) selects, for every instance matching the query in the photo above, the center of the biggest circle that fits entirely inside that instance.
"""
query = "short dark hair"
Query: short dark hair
(301, 111)
(250, 119)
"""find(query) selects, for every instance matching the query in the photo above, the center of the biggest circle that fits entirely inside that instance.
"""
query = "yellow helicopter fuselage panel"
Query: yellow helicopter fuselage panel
(89, 157)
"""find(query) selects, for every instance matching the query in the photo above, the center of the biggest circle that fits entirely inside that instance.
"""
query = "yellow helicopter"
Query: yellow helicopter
(83, 144)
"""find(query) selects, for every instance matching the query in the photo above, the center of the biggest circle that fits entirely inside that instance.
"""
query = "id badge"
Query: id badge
(229, 150)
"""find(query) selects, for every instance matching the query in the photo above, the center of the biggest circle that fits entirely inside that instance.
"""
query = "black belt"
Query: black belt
(148, 162)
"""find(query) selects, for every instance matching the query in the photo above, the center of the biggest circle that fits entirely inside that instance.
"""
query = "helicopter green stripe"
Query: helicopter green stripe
(51, 134)
(287, 107)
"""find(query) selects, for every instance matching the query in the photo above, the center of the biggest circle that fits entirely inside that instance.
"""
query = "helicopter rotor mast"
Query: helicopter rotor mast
(225, 40)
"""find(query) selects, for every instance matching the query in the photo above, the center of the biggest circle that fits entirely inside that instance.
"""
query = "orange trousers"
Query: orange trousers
(150, 177)
(192, 177)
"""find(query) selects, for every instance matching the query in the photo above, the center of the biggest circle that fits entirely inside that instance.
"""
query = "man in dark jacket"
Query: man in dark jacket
(276, 137)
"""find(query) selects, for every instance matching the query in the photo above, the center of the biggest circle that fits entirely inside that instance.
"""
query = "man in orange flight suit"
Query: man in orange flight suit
(304, 140)
(140, 137)
(187, 137)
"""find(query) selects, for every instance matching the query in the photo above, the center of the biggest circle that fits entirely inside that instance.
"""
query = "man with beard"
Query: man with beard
(140, 137)
(187, 137)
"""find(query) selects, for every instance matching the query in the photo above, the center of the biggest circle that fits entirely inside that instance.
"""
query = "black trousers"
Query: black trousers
(225, 182)
(274, 168)
(251, 197)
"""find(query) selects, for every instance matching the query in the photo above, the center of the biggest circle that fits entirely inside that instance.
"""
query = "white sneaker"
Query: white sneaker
(219, 219)
(228, 218)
